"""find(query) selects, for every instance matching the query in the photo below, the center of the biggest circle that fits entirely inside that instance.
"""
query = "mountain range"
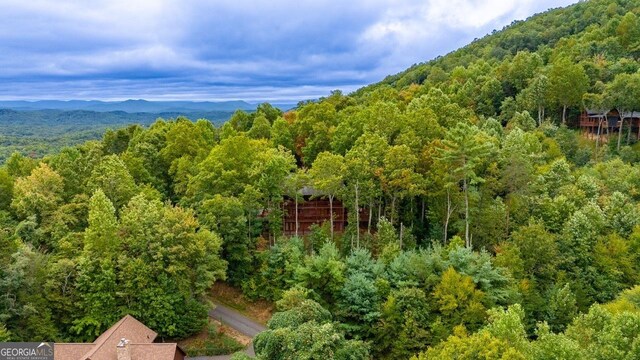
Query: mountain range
(136, 106)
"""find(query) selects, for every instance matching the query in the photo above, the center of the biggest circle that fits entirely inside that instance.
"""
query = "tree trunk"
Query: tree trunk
(297, 222)
(564, 114)
(620, 133)
(401, 234)
(508, 221)
(357, 215)
(393, 208)
(540, 114)
(466, 212)
(370, 216)
(422, 213)
(630, 125)
(331, 214)
(446, 220)
(598, 138)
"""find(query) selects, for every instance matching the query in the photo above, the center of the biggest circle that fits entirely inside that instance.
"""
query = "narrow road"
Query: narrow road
(236, 320)
(239, 322)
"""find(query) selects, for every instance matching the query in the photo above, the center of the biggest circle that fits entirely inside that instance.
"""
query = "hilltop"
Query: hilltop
(510, 69)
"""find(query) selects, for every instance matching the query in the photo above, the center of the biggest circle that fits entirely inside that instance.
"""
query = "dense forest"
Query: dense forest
(496, 230)
(38, 132)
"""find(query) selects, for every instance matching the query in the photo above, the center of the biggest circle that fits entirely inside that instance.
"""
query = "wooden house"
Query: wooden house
(604, 122)
(314, 208)
(128, 339)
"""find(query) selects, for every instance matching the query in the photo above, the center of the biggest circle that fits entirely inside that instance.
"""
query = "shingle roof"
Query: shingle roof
(596, 112)
(164, 351)
(140, 340)
(630, 114)
(70, 351)
(128, 327)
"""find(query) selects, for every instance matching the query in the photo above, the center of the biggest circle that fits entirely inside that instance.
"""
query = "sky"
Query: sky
(260, 50)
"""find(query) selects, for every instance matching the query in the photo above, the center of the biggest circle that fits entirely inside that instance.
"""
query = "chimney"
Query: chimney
(122, 350)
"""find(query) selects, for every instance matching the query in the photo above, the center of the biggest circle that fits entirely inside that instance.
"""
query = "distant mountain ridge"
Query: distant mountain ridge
(130, 106)
(58, 122)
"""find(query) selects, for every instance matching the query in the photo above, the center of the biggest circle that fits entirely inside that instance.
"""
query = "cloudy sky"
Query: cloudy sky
(277, 50)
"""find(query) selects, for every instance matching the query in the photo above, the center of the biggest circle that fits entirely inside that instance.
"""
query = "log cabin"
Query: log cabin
(605, 122)
(314, 208)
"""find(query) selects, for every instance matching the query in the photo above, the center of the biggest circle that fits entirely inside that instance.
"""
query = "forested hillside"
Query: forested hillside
(37, 132)
(495, 229)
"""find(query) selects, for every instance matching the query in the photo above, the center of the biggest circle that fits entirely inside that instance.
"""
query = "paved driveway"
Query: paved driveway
(239, 322)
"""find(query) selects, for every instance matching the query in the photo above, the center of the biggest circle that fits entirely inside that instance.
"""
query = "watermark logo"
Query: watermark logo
(26, 351)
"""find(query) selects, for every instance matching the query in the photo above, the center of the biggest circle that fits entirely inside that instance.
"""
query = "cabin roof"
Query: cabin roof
(630, 114)
(140, 340)
(595, 113)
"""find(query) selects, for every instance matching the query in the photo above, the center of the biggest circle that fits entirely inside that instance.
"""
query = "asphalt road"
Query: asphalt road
(236, 320)
(239, 322)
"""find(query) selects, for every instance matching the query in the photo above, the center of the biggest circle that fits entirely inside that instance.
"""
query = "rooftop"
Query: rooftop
(139, 344)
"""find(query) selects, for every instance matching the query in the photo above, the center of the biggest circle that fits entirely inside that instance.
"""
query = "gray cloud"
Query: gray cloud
(224, 49)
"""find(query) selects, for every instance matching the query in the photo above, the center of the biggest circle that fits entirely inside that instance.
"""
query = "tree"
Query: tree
(113, 178)
(327, 177)
(116, 142)
(606, 335)
(38, 194)
(323, 274)
(240, 121)
(538, 90)
(628, 33)
(302, 329)
(280, 264)
(18, 165)
(100, 238)
(522, 68)
(561, 309)
(364, 163)
(268, 111)
(503, 338)
(292, 188)
(404, 324)
(567, 83)
(261, 128)
(601, 103)
(169, 263)
(624, 94)
(186, 144)
(358, 305)
(226, 216)
(97, 274)
(458, 302)
(463, 150)
(539, 249)
(6, 189)
(399, 176)
(281, 135)
(97, 285)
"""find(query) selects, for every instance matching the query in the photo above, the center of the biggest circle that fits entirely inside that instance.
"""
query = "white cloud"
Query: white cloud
(278, 46)
(416, 31)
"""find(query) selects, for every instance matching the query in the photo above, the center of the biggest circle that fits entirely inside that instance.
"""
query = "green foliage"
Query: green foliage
(463, 192)
(459, 302)
(323, 274)
(215, 343)
(113, 178)
(403, 327)
(305, 332)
